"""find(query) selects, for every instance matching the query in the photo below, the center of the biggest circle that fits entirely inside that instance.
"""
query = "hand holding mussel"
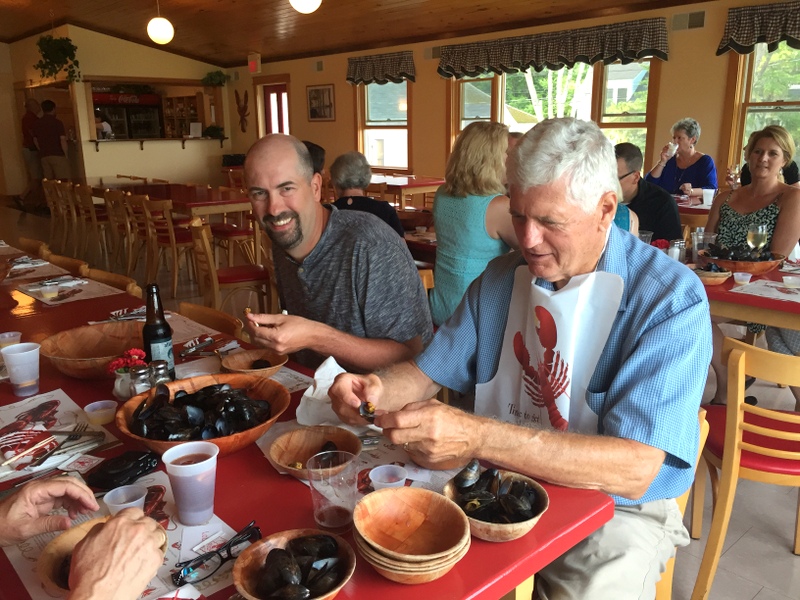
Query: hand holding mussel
(367, 411)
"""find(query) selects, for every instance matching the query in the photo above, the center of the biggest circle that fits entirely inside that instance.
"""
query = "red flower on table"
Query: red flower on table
(133, 357)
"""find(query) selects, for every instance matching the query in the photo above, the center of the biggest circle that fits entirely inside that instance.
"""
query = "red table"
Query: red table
(401, 186)
(249, 488)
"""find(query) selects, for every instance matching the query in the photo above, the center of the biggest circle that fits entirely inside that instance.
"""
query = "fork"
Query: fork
(79, 428)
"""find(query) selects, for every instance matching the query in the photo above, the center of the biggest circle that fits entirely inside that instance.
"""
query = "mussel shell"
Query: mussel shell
(516, 509)
(291, 592)
(317, 546)
(280, 569)
(489, 480)
(329, 446)
(467, 476)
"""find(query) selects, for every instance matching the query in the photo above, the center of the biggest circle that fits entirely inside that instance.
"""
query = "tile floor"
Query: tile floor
(757, 562)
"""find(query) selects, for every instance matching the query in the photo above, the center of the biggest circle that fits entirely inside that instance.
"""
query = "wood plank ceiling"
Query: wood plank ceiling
(222, 32)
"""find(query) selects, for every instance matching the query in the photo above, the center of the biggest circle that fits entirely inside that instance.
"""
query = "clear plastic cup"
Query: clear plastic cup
(101, 412)
(22, 362)
(645, 236)
(333, 477)
(192, 470)
(9, 338)
(127, 496)
(673, 148)
(742, 278)
(388, 476)
(49, 291)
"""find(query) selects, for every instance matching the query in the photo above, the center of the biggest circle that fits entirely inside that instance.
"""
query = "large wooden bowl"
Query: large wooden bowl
(257, 387)
(240, 362)
(504, 532)
(248, 565)
(85, 352)
(299, 445)
(410, 524)
(756, 267)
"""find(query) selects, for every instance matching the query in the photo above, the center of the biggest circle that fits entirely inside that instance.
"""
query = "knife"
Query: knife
(204, 344)
(88, 433)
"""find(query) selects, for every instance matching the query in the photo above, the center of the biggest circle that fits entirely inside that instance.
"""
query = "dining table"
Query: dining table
(190, 200)
(411, 185)
(249, 488)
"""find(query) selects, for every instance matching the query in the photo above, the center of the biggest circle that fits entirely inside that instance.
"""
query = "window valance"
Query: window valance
(624, 42)
(769, 24)
(381, 68)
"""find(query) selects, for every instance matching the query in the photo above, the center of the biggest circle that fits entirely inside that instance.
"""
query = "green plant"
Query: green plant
(215, 79)
(58, 54)
(214, 132)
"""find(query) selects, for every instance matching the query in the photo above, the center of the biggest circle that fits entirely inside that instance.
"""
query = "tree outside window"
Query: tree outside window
(384, 124)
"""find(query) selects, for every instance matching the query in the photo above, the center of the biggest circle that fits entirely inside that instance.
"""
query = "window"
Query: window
(623, 109)
(384, 124)
(770, 93)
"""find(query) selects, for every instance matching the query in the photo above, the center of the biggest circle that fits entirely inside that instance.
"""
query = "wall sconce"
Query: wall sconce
(305, 7)
(159, 29)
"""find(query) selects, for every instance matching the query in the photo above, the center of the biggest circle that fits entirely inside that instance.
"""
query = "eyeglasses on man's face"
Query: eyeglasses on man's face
(205, 565)
(621, 177)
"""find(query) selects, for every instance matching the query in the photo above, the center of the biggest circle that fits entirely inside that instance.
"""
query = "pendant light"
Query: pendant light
(305, 6)
(159, 29)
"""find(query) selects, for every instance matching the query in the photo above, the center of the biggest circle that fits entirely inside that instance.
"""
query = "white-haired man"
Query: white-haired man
(584, 330)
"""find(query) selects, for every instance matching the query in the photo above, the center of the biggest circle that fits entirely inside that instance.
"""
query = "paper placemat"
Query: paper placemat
(769, 289)
(5, 249)
(46, 270)
(83, 291)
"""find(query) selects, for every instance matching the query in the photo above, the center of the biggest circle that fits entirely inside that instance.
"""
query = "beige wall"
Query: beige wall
(692, 84)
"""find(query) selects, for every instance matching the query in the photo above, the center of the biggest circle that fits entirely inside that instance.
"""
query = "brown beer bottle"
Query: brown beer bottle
(156, 333)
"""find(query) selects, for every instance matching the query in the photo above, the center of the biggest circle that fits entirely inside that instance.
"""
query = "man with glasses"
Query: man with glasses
(656, 209)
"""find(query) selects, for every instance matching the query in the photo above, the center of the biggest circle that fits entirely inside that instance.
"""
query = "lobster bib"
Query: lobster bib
(551, 345)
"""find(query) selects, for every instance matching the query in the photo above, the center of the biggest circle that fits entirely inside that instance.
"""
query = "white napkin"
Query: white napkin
(315, 405)
(28, 263)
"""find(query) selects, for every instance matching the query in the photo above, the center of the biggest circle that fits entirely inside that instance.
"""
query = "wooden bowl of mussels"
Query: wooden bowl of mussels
(264, 363)
(500, 505)
(321, 562)
(755, 267)
(227, 409)
(291, 450)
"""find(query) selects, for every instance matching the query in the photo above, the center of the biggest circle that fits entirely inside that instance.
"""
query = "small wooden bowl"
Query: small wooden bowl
(712, 278)
(399, 566)
(755, 267)
(248, 565)
(59, 548)
(410, 524)
(85, 352)
(504, 532)
(299, 445)
(257, 387)
(240, 362)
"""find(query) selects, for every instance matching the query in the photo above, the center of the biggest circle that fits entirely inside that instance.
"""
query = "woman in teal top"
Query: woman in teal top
(470, 214)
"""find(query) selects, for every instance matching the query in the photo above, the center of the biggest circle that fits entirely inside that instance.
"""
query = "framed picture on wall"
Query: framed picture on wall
(320, 102)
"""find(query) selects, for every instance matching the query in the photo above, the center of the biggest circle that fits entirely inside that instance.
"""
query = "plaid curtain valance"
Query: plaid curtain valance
(769, 24)
(382, 68)
(624, 42)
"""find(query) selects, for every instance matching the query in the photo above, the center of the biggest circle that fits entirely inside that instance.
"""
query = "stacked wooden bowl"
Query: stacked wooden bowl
(410, 535)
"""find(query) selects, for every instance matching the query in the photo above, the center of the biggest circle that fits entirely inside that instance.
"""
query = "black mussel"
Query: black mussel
(467, 476)
(280, 569)
(488, 480)
(292, 592)
(516, 509)
(329, 447)
(317, 546)
(367, 411)
(209, 432)
(194, 414)
(323, 577)
(261, 364)
(517, 487)
(155, 401)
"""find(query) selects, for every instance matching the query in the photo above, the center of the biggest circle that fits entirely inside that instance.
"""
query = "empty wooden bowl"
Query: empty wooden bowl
(410, 524)
(247, 568)
(504, 532)
(755, 267)
(257, 388)
(241, 362)
(298, 445)
(85, 352)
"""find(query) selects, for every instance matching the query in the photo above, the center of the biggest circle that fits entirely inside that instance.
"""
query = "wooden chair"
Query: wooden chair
(73, 228)
(163, 235)
(156, 180)
(263, 256)
(34, 247)
(745, 442)
(664, 586)
(120, 229)
(134, 204)
(690, 222)
(234, 232)
(235, 178)
(211, 317)
(126, 284)
(73, 265)
(95, 225)
(57, 230)
(427, 278)
(213, 281)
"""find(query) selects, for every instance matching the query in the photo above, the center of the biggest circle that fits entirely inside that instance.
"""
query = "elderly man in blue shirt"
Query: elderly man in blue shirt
(587, 352)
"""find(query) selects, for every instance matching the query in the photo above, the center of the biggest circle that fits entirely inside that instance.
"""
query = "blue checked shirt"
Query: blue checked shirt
(649, 381)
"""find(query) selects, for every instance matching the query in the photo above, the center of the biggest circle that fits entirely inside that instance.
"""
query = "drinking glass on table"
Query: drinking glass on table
(733, 178)
(757, 236)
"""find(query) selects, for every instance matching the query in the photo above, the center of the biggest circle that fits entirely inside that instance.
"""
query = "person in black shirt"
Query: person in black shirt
(791, 175)
(656, 209)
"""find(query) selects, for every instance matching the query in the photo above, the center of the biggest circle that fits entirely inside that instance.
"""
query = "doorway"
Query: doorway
(276, 108)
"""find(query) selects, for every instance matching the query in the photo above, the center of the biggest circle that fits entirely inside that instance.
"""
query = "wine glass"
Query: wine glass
(757, 236)
(735, 173)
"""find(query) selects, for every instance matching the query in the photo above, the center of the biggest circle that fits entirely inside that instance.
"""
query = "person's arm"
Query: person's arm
(117, 559)
(287, 334)
(658, 169)
(498, 221)
(63, 140)
(787, 229)
(701, 175)
(26, 513)
(633, 224)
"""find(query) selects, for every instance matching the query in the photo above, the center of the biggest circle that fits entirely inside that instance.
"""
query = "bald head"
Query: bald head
(279, 143)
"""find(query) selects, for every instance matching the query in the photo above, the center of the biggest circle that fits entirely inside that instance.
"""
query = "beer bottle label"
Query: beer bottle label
(162, 350)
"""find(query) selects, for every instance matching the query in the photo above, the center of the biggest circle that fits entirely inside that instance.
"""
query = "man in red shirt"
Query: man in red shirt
(51, 140)
(29, 151)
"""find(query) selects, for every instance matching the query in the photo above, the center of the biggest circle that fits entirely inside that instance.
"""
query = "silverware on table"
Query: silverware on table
(204, 344)
(79, 429)
(27, 451)
(79, 432)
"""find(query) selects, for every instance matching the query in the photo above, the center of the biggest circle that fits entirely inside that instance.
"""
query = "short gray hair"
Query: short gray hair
(351, 171)
(567, 147)
(689, 126)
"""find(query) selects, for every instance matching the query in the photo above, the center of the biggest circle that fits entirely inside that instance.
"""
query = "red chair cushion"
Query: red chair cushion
(182, 236)
(242, 274)
(230, 231)
(716, 417)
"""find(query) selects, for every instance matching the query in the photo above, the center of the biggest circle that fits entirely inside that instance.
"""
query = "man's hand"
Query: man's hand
(117, 559)
(284, 334)
(26, 513)
(439, 432)
(349, 391)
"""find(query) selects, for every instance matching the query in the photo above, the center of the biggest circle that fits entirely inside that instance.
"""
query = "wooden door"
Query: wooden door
(276, 108)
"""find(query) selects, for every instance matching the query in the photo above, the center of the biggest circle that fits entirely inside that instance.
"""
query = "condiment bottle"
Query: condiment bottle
(156, 333)
(140, 379)
(159, 372)
(677, 250)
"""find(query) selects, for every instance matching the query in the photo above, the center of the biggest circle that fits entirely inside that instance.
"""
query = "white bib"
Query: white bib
(551, 345)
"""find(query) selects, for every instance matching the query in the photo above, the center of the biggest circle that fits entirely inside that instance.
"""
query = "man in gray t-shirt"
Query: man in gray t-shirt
(348, 282)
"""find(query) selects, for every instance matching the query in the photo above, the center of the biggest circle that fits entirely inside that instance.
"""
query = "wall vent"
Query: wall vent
(319, 66)
(434, 52)
(693, 20)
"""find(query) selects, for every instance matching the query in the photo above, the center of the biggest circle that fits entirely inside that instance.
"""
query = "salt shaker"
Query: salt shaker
(674, 250)
(159, 372)
(140, 379)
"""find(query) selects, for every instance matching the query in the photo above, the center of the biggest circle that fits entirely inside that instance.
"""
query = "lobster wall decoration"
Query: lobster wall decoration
(241, 108)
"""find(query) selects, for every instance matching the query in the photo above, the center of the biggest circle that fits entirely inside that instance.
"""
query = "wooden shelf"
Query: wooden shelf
(180, 111)
(143, 140)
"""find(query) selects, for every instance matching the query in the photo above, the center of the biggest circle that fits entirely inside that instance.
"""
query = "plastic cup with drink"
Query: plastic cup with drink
(672, 148)
(127, 496)
(22, 362)
(192, 471)
(333, 479)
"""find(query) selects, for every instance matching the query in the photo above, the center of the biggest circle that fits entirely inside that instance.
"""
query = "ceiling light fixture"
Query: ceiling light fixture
(159, 29)
(305, 6)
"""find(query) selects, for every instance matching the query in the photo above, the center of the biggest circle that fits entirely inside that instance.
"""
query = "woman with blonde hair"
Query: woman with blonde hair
(470, 214)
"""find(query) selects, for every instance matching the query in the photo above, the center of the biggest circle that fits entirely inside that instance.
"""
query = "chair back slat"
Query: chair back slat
(204, 259)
